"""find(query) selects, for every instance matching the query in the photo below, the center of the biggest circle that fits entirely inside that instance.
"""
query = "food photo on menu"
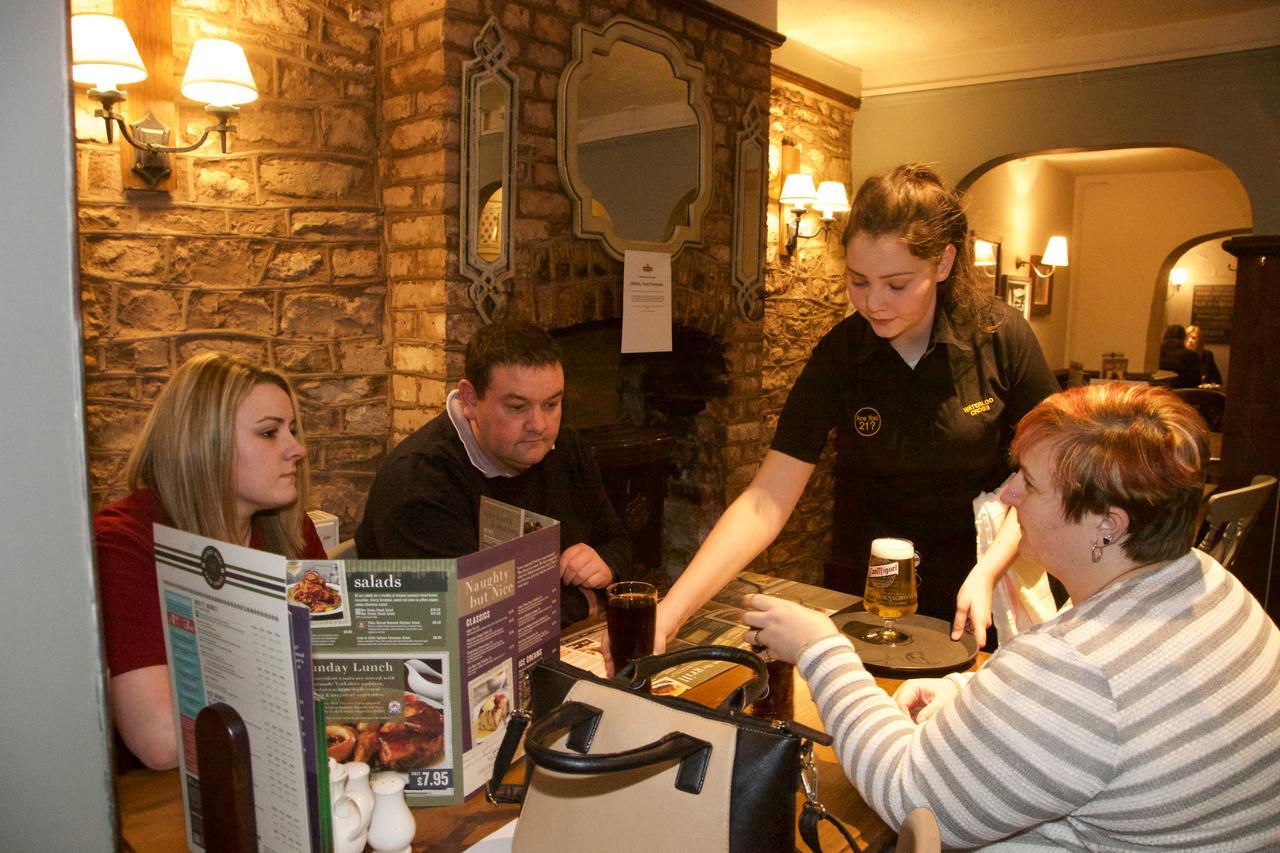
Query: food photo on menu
(318, 587)
(374, 716)
(490, 701)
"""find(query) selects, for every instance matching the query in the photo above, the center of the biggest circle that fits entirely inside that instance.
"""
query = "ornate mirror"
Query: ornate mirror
(635, 139)
(488, 161)
(750, 186)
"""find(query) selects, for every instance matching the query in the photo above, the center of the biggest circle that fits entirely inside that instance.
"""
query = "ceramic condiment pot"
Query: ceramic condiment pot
(349, 835)
(393, 827)
(337, 781)
(358, 790)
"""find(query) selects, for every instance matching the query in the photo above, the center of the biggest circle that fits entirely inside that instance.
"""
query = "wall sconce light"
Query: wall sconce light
(984, 257)
(105, 57)
(1055, 255)
(828, 199)
(1178, 276)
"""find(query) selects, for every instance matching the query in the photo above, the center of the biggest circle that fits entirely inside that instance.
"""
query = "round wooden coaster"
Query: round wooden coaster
(928, 649)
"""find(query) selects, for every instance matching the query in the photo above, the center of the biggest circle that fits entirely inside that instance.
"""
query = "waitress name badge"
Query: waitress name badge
(646, 302)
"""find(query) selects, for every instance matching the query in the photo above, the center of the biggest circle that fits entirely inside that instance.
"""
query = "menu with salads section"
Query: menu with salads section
(420, 662)
(228, 638)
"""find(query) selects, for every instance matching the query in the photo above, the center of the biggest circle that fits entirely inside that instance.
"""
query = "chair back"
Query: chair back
(344, 550)
(1209, 402)
(919, 833)
(1229, 515)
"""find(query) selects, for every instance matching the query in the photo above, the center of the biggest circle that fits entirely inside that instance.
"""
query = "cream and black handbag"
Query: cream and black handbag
(613, 768)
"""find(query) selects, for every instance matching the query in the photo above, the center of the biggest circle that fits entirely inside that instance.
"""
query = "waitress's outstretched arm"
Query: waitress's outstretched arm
(745, 529)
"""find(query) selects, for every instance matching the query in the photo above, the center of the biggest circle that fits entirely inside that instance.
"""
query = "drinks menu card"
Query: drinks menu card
(227, 636)
(420, 662)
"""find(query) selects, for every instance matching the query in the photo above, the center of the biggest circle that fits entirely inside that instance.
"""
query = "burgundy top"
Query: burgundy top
(127, 578)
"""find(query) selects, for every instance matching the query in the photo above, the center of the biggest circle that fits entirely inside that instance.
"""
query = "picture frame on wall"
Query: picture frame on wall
(1041, 290)
(1017, 293)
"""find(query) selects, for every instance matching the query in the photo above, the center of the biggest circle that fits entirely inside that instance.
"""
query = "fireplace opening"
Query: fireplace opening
(645, 417)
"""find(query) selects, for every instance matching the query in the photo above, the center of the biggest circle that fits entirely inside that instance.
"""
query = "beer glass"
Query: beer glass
(631, 611)
(891, 588)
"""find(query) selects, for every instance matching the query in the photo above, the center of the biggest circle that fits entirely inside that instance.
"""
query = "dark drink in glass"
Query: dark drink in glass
(631, 609)
(779, 704)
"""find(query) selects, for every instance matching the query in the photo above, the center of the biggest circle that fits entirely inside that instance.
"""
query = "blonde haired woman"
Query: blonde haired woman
(220, 455)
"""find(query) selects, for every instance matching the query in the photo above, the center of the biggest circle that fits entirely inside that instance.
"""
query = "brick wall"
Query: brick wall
(560, 281)
(273, 251)
(806, 297)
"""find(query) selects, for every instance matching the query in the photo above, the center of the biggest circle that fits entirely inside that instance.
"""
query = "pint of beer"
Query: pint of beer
(891, 579)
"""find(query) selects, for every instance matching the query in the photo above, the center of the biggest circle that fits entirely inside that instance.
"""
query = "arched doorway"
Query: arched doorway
(1123, 210)
(1203, 295)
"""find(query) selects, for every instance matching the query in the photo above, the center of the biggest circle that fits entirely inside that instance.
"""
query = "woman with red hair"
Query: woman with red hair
(1141, 718)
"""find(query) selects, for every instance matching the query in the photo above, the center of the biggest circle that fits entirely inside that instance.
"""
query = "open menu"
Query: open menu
(420, 662)
(716, 623)
(228, 638)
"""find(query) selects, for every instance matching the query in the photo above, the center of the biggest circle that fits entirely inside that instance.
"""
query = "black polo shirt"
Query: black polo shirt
(915, 446)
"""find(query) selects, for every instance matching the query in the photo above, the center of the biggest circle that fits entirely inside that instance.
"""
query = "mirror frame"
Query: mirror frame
(748, 279)
(995, 278)
(587, 43)
(488, 290)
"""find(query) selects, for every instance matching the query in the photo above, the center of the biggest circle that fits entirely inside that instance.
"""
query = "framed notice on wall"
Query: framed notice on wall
(1211, 307)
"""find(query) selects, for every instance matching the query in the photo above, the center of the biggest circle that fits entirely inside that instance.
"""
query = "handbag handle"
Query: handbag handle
(642, 669)
(582, 720)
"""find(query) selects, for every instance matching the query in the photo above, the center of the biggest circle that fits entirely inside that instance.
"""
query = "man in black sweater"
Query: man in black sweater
(500, 436)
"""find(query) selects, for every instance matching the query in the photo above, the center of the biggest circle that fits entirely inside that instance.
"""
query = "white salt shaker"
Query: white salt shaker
(393, 826)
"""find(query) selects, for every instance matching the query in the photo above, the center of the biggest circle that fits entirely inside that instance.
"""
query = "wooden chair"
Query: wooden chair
(919, 833)
(1229, 516)
(1209, 402)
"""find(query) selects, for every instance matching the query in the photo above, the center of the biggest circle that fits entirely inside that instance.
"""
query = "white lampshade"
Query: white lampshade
(984, 253)
(1055, 254)
(218, 73)
(798, 190)
(1178, 276)
(103, 54)
(832, 199)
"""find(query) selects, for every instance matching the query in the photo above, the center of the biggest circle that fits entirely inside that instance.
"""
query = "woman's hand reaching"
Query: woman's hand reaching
(921, 698)
(785, 628)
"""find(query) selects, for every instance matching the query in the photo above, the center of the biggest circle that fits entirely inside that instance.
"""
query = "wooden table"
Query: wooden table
(151, 819)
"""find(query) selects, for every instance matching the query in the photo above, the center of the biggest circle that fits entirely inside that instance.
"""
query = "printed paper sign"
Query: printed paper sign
(646, 302)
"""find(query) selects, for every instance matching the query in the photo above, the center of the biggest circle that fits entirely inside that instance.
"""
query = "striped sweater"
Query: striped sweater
(1146, 718)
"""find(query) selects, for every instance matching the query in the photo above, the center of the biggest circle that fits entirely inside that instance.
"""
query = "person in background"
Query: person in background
(1209, 373)
(220, 455)
(1142, 718)
(1175, 356)
(500, 437)
(923, 387)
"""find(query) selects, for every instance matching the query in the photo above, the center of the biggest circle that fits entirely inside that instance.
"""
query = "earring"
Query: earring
(1106, 540)
(1095, 553)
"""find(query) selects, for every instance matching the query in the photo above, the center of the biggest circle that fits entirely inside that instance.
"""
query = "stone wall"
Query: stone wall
(806, 297)
(326, 243)
(273, 251)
